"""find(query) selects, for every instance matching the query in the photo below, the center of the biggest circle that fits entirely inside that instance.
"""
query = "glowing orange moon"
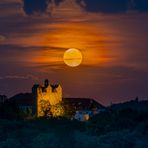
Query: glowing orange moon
(72, 57)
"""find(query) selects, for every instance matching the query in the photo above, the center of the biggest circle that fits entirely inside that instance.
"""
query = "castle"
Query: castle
(45, 96)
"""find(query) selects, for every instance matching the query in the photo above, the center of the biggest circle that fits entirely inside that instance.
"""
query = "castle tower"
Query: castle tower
(44, 96)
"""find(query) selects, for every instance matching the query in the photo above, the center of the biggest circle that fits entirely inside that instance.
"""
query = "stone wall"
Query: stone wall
(46, 96)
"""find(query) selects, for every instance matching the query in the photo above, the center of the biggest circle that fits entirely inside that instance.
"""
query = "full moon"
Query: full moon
(72, 57)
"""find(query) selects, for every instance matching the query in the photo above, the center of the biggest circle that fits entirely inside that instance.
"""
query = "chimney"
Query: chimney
(46, 83)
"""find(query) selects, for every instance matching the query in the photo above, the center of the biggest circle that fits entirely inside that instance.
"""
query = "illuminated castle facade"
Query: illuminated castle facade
(45, 96)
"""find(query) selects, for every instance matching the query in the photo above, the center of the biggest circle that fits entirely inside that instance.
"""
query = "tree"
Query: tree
(57, 110)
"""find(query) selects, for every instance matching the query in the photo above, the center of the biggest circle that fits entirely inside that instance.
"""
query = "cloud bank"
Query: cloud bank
(32, 7)
(113, 6)
(38, 6)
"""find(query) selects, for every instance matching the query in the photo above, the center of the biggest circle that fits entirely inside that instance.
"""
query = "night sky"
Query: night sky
(111, 34)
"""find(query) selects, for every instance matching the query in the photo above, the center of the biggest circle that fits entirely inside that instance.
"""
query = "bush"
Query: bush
(9, 143)
(45, 140)
(82, 140)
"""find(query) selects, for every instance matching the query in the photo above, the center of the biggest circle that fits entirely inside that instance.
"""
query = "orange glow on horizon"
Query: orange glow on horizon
(93, 44)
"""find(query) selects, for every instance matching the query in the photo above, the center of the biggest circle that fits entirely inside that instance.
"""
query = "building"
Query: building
(40, 99)
(39, 102)
(24, 101)
(85, 108)
(3, 98)
(44, 96)
(83, 115)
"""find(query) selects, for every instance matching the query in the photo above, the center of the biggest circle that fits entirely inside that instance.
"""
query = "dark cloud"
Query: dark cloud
(32, 6)
(15, 47)
(29, 76)
(38, 6)
(13, 52)
(113, 6)
(141, 5)
(104, 6)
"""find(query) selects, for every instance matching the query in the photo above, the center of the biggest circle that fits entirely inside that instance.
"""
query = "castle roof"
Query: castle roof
(27, 99)
(23, 99)
(83, 103)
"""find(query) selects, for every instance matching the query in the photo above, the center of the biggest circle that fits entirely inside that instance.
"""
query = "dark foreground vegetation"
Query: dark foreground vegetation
(126, 128)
